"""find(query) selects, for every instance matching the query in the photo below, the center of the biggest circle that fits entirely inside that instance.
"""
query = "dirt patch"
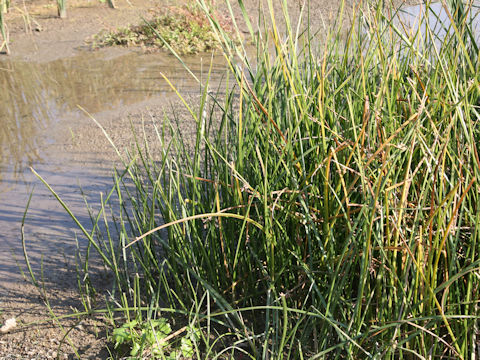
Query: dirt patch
(38, 35)
(38, 335)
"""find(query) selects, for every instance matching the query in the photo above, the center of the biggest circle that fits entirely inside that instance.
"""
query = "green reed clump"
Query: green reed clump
(186, 30)
(329, 205)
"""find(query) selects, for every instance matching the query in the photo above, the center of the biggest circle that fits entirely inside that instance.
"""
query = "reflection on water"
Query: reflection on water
(37, 101)
(35, 97)
(20, 117)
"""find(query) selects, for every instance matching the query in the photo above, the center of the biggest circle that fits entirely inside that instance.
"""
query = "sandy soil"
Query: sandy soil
(38, 35)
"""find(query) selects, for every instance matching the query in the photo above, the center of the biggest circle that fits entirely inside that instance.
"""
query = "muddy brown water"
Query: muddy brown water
(40, 119)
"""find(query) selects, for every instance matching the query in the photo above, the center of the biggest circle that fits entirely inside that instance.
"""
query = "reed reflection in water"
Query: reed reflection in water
(37, 98)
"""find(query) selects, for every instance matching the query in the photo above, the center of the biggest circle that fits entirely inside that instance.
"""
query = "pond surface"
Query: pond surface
(39, 115)
(434, 21)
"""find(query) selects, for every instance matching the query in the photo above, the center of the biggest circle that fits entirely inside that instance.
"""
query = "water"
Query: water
(434, 22)
(39, 116)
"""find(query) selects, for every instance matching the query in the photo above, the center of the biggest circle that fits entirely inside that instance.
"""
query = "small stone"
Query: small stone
(10, 324)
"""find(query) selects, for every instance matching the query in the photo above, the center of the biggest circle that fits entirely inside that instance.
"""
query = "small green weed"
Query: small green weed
(154, 339)
(186, 30)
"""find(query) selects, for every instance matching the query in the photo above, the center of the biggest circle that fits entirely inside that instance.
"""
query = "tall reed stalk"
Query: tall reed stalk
(111, 4)
(462, 13)
(62, 8)
(329, 205)
(5, 5)
(3, 29)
